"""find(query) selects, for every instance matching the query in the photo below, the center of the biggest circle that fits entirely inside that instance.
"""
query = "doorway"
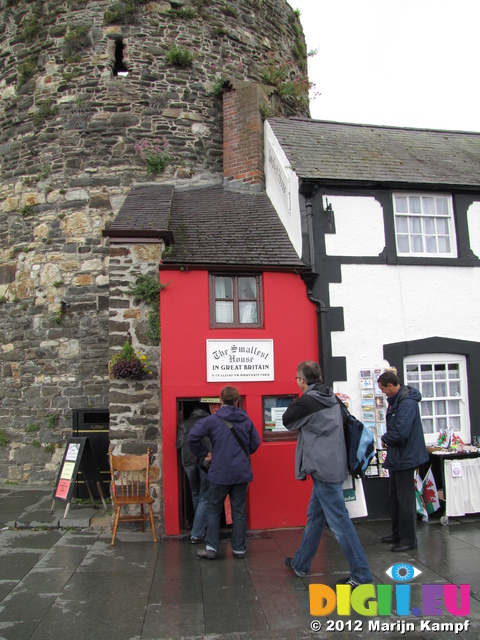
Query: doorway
(185, 407)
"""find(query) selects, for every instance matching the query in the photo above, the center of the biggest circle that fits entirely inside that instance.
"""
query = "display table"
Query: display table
(460, 479)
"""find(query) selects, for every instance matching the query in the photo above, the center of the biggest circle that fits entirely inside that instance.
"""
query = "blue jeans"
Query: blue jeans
(198, 481)
(238, 502)
(327, 505)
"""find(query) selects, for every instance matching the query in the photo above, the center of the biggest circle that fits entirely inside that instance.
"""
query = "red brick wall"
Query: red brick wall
(243, 134)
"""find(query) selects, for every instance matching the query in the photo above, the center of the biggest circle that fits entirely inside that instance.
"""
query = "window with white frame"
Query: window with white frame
(442, 381)
(424, 225)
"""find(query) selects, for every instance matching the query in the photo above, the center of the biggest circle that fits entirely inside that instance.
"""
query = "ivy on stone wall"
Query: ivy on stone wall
(148, 288)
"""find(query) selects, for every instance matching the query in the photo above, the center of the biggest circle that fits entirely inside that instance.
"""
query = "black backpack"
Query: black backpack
(359, 441)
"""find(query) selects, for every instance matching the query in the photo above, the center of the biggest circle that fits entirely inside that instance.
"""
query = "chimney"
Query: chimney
(243, 155)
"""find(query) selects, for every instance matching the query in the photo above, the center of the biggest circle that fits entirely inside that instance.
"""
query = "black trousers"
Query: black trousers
(403, 506)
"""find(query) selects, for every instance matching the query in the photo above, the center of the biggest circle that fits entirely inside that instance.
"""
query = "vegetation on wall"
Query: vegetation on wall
(179, 56)
(76, 41)
(148, 288)
(123, 12)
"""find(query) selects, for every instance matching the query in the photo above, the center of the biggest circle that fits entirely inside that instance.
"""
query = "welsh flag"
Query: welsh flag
(430, 493)
(421, 508)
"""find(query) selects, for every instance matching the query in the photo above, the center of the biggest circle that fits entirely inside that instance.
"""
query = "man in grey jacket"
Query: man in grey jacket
(321, 453)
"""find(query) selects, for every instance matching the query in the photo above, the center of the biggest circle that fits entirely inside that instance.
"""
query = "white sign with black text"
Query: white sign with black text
(250, 360)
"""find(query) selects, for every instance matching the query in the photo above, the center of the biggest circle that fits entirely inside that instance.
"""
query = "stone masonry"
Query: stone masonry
(74, 138)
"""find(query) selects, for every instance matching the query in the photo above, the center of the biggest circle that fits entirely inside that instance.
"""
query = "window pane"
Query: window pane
(428, 206)
(415, 225)
(442, 226)
(442, 206)
(441, 389)
(401, 204)
(426, 408)
(417, 244)
(415, 206)
(247, 288)
(429, 226)
(412, 372)
(440, 407)
(453, 407)
(427, 426)
(223, 287)
(427, 389)
(427, 371)
(402, 224)
(224, 311)
(248, 312)
(403, 244)
(441, 423)
(440, 372)
(455, 423)
(443, 245)
(454, 388)
(453, 371)
(431, 244)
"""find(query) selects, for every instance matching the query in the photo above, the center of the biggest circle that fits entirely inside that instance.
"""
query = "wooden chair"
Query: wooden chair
(130, 487)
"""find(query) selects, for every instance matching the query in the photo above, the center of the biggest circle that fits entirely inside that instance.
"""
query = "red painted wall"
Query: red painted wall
(275, 498)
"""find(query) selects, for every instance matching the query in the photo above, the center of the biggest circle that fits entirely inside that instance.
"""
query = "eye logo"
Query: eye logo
(402, 572)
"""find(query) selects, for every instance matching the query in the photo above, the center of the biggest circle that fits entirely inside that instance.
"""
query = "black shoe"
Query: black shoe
(390, 539)
(194, 540)
(239, 555)
(402, 547)
(288, 563)
(349, 581)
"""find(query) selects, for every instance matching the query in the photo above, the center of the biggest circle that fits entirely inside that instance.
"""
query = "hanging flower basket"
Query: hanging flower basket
(129, 365)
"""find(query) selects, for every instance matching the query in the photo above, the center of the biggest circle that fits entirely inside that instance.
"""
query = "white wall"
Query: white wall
(281, 185)
(358, 225)
(473, 219)
(393, 303)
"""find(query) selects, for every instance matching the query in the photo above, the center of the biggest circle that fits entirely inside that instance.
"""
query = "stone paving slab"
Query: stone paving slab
(71, 583)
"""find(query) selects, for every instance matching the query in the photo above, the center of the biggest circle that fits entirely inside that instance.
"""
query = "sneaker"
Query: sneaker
(210, 554)
(194, 540)
(349, 581)
(288, 563)
(239, 554)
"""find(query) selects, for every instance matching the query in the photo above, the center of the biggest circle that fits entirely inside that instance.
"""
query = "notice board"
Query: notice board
(78, 456)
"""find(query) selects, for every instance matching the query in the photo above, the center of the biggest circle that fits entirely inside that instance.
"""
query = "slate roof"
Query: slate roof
(144, 214)
(211, 226)
(336, 152)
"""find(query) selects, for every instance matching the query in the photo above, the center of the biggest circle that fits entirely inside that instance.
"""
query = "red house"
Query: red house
(234, 311)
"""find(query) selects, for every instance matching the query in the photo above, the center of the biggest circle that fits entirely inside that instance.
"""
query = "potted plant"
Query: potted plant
(129, 364)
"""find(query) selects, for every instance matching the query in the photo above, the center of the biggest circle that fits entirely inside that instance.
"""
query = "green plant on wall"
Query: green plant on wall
(45, 110)
(76, 41)
(148, 288)
(3, 438)
(179, 56)
(27, 69)
(156, 157)
(123, 12)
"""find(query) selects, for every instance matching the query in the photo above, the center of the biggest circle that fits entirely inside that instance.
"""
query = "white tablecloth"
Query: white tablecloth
(462, 494)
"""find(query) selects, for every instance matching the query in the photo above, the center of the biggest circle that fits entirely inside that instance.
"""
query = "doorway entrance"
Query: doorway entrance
(185, 407)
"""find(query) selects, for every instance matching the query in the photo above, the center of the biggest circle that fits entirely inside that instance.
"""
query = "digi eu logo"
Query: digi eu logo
(376, 600)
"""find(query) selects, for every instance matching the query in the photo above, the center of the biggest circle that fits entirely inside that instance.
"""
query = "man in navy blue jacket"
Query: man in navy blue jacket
(230, 471)
(406, 451)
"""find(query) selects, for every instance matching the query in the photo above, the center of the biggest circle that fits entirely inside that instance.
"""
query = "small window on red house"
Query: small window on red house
(236, 301)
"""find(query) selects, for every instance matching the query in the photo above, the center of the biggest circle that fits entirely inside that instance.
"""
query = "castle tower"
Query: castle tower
(96, 97)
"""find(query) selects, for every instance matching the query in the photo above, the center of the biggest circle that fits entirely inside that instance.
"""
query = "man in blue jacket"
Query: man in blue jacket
(321, 453)
(406, 450)
(230, 471)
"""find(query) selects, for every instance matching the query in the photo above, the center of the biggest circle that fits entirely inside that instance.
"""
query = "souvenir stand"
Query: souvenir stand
(456, 469)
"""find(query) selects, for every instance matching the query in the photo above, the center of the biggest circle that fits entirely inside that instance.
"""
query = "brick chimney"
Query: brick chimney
(243, 155)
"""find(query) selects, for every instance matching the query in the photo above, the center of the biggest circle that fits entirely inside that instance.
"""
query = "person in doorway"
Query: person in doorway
(406, 450)
(196, 473)
(321, 453)
(234, 438)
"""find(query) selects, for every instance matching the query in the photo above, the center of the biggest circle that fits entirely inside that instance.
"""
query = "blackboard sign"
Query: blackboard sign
(78, 456)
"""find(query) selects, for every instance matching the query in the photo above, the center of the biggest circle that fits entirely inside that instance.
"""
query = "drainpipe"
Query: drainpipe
(321, 307)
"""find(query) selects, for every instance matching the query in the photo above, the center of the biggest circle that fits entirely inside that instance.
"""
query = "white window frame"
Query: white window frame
(450, 415)
(421, 225)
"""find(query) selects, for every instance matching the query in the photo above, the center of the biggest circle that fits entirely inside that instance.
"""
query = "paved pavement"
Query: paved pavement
(61, 579)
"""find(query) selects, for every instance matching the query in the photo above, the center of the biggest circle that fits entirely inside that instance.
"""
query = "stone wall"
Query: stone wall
(74, 138)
